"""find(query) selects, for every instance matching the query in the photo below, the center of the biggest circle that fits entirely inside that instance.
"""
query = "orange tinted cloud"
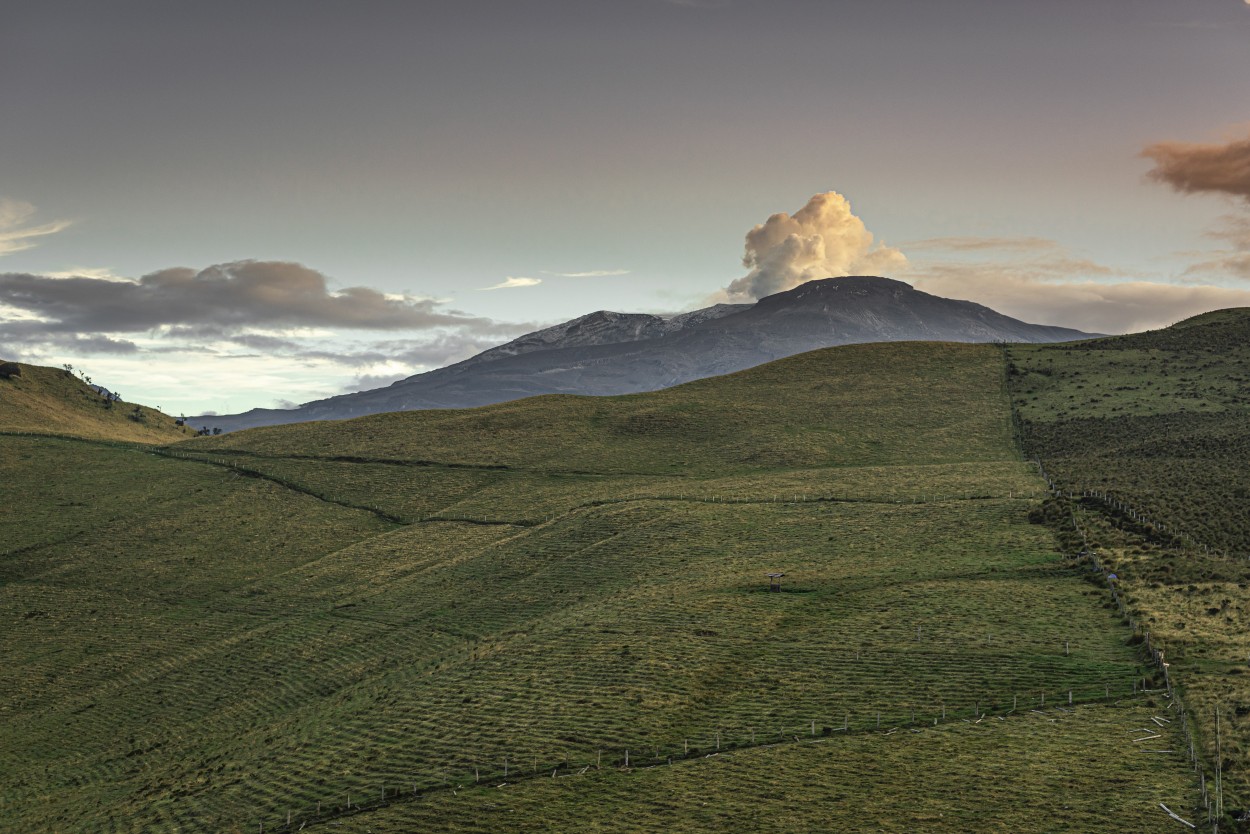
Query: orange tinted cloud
(1198, 169)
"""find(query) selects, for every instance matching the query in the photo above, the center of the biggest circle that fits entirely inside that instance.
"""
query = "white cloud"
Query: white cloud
(594, 273)
(824, 239)
(99, 273)
(15, 235)
(512, 283)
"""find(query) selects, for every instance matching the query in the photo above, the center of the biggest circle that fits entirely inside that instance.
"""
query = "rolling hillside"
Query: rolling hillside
(515, 618)
(1151, 434)
(54, 401)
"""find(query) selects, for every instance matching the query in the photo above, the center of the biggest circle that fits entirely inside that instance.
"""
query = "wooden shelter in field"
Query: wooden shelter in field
(774, 582)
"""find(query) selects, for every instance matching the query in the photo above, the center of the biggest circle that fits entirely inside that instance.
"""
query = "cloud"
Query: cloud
(1233, 260)
(297, 338)
(15, 235)
(369, 382)
(101, 272)
(1085, 305)
(821, 240)
(594, 273)
(1038, 280)
(231, 296)
(512, 283)
(984, 244)
(411, 354)
(28, 338)
(1202, 169)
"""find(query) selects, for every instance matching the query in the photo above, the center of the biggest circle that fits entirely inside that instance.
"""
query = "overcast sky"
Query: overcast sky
(215, 206)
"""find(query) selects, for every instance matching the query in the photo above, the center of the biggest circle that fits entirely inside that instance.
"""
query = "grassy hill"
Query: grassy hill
(831, 408)
(1152, 433)
(52, 401)
(410, 610)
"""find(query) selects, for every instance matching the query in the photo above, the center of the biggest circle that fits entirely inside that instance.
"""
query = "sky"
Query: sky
(210, 207)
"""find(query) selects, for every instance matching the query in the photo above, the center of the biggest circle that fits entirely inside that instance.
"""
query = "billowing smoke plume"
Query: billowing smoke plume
(821, 240)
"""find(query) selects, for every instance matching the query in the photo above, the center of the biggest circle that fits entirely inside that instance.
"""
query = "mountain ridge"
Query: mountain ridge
(605, 353)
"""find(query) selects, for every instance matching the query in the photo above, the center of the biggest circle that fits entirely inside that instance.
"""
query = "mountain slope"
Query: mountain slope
(613, 353)
(1149, 435)
(879, 403)
(253, 632)
(602, 328)
(53, 401)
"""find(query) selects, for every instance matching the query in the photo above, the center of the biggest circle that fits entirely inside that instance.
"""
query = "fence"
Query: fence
(1117, 504)
(393, 788)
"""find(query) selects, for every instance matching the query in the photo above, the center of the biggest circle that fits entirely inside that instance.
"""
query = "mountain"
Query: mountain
(618, 353)
(602, 328)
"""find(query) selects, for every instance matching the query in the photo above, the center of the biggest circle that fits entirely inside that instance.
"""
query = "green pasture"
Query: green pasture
(1151, 434)
(211, 635)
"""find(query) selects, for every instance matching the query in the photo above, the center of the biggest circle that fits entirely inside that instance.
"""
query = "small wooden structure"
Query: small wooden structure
(774, 582)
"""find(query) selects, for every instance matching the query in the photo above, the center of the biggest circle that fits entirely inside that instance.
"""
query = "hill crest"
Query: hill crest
(52, 401)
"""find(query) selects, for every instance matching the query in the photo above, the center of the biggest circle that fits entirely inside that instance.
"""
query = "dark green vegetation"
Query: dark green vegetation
(212, 635)
(1157, 427)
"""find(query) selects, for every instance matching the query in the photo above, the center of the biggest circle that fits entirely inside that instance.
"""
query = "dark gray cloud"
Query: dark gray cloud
(1202, 169)
(239, 311)
(265, 344)
(29, 339)
(219, 299)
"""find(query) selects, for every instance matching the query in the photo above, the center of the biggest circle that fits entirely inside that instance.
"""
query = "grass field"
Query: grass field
(940, 403)
(51, 401)
(1002, 774)
(214, 634)
(1156, 427)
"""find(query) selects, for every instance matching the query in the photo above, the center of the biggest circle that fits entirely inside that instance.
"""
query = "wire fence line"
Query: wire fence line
(1114, 504)
(501, 770)
(393, 787)
(1157, 656)
(785, 498)
(1118, 504)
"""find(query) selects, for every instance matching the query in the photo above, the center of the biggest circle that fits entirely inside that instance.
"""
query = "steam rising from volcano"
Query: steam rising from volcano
(821, 240)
